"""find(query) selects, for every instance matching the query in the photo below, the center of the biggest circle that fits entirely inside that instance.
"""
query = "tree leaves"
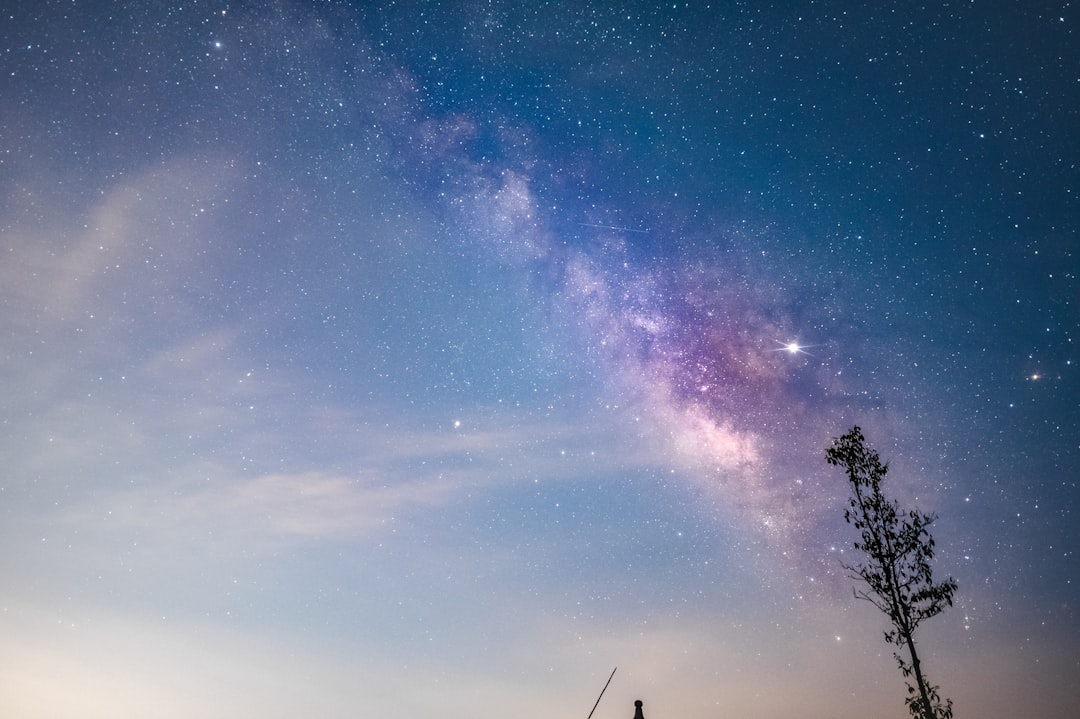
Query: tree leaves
(899, 549)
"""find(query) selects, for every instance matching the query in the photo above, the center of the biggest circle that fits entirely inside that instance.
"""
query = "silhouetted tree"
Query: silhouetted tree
(898, 548)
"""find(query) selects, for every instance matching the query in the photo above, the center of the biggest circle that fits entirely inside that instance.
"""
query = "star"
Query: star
(792, 347)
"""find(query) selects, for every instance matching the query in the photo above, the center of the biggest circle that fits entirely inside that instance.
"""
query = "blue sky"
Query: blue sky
(441, 357)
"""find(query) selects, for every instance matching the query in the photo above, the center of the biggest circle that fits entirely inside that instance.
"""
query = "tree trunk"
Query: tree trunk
(916, 669)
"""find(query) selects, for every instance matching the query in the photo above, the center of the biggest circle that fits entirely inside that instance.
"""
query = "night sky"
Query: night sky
(417, 358)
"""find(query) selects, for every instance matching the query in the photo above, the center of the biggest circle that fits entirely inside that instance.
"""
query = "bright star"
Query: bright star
(792, 347)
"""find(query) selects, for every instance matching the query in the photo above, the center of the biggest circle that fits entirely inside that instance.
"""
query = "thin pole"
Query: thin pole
(602, 693)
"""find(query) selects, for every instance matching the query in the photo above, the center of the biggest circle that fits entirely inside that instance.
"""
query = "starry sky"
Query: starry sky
(403, 358)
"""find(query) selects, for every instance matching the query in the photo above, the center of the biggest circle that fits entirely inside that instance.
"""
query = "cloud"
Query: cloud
(277, 507)
(133, 250)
